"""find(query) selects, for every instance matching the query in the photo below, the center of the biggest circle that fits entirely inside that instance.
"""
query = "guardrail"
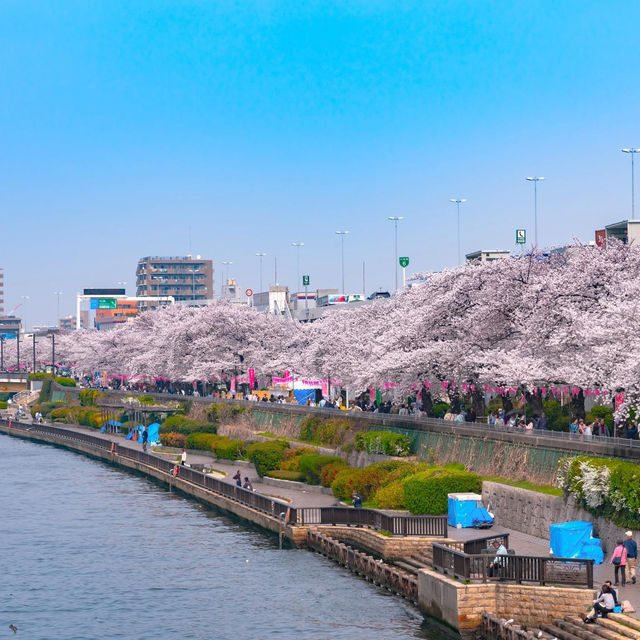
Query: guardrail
(413, 422)
(512, 568)
(432, 526)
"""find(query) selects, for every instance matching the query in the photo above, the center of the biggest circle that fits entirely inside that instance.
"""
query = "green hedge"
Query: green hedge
(88, 397)
(172, 439)
(330, 472)
(40, 375)
(600, 411)
(3, 404)
(427, 491)
(603, 487)
(311, 466)
(365, 481)
(182, 424)
(147, 399)
(291, 457)
(386, 442)
(267, 456)
(229, 449)
(330, 432)
(390, 496)
(285, 474)
(63, 381)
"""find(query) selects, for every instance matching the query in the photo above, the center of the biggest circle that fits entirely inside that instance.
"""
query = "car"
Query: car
(379, 294)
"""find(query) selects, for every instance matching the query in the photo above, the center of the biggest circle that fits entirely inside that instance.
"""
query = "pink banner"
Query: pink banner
(252, 377)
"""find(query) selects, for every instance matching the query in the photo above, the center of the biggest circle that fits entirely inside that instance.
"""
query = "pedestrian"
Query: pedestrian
(632, 554)
(543, 422)
(471, 415)
(573, 427)
(619, 562)
(247, 484)
(356, 500)
(145, 439)
(238, 478)
(183, 457)
(500, 550)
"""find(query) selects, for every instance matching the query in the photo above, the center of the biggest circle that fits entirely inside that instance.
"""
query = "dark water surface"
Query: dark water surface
(89, 551)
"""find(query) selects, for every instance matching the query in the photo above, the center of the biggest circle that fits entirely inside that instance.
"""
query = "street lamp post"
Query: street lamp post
(535, 180)
(58, 294)
(297, 245)
(24, 304)
(2, 353)
(342, 234)
(226, 263)
(261, 255)
(34, 351)
(53, 353)
(395, 220)
(458, 202)
(632, 152)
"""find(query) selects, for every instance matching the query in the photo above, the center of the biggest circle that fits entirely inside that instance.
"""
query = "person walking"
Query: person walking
(632, 554)
(543, 422)
(183, 457)
(238, 478)
(145, 438)
(619, 562)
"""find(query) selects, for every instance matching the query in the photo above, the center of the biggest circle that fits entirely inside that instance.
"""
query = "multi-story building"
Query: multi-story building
(184, 278)
(487, 255)
(1, 292)
(10, 326)
(109, 318)
(68, 323)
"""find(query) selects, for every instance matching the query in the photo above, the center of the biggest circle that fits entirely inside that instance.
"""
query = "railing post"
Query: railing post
(590, 574)
(542, 570)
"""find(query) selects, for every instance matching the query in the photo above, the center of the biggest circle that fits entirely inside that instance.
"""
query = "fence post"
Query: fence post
(542, 571)
(590, 574)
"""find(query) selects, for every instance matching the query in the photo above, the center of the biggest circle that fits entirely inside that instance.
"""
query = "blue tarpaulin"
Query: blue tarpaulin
(302, 395)
(461, 507)
(481, 517)
(574, 540)
(110, 423)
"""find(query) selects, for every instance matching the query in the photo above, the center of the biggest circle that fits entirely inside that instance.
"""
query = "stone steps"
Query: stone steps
(621, 629)
(626, 620)
(603, 628)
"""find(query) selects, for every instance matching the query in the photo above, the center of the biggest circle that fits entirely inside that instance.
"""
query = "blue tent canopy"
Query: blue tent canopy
(110, 423)
(302, 395)
(574, 540)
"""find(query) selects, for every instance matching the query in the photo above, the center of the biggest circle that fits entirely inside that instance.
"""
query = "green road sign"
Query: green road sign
(521, 236)
(107, 303)
(404, 261)
(306, 280)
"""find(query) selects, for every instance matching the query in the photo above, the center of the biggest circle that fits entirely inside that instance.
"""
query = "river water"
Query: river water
(90, 551)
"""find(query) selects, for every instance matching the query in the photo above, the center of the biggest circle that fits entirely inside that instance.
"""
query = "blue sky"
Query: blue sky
(128, 128)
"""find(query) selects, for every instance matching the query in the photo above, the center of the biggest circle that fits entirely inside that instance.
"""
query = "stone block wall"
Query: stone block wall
(532, 512)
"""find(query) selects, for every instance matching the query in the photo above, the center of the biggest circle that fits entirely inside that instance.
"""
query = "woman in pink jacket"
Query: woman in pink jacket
(619, 562)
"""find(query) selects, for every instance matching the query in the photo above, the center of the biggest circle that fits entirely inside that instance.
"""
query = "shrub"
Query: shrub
(88, 417)
(439, 409)
(221, 411)
(173, 439)
(603, 487)
(267, 456)
(329, 431)
(600, 411)
(45, 408)
(284, 474)
(147, 400)
(311, 466)
(426, 492)
(88, 397)
(61, 414)
(291, 457)
(39, 375)
(3, 404)
(387, 442)
(559, 416)
(390, 496)
(63, 381)
(45, 391)
(365, 481)
(202, 441)
(182, 424)
(330, 471)
(229, 449)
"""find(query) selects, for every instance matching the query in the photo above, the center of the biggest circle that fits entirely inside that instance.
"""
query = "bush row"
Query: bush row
(267, 456)
(386, 442)
(330, 431)
(603, 487)
(222, 446)
(186, 426)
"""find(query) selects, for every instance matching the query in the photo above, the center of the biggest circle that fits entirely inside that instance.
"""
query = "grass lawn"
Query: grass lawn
(525, 484)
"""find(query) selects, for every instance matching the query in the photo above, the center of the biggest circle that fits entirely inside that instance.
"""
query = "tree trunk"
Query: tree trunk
(477, 401)
(534, 403)
(454, 400)
(507, 404)
(427, 401)
(577, 406)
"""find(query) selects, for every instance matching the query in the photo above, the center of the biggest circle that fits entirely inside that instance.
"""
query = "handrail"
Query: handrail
(513, 568)
(432, 526)
(414, 422)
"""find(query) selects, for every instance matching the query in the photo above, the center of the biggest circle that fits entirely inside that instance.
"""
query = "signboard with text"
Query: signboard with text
(404, 261)
(521, 236)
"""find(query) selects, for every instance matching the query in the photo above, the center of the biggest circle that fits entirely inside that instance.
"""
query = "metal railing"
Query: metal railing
(413, 422)
(431, 526)
(512, 568)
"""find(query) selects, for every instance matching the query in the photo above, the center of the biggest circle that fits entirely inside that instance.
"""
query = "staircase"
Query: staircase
(421, 560)
(618, 626)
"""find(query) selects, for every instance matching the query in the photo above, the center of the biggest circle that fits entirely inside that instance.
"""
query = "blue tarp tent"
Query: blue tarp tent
(461, 507)
(574, 540)
(110, 423)
(481, 517)
(154, 433)
(302, 395)
(136, 433)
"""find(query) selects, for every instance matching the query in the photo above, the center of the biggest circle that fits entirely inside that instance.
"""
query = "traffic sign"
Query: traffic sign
(248, 292)
(521, 236)
(306, 281)
(404, 261)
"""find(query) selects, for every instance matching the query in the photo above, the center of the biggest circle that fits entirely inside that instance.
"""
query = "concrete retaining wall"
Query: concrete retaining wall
(533, 512)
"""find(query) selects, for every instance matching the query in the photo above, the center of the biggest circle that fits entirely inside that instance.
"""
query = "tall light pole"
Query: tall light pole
(632, 152)
(297, 245)
(395, 220)
(535, 180)
(226, 263)
(458, 202)
(122, 284)
(57, 293)
(342, 234)
(261, 255)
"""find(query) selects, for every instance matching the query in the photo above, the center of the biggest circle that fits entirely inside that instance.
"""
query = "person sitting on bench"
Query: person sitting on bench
(603, 605)
(496, 563)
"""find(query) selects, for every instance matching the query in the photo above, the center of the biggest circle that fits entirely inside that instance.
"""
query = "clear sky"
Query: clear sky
(222, 128)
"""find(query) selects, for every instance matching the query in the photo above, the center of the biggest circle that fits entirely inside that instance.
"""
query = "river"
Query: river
(90, 551)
